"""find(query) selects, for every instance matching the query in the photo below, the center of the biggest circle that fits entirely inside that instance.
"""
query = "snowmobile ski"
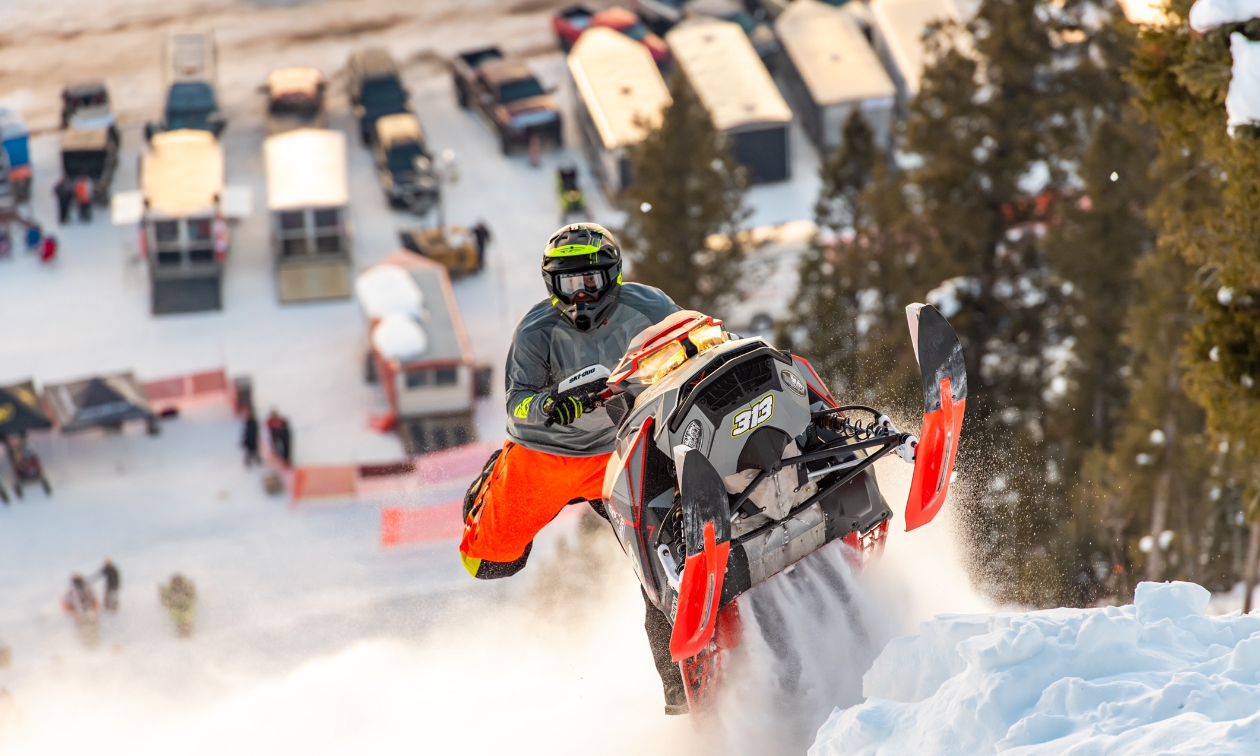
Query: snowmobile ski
(944, 375)
(706, 535)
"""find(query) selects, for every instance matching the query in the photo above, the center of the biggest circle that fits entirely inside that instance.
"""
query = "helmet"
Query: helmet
(582, 269)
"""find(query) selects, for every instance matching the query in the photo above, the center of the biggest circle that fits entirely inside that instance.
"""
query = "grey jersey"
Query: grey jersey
(547, 348)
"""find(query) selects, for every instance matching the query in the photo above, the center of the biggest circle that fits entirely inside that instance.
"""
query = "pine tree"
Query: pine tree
(1210, 215)
(686, 206)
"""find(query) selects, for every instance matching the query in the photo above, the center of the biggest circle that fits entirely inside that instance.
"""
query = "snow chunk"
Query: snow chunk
(1155, 677)
(1206, 15)
(385, 290)
(1242, 104)
(400, 337)
(948, 297)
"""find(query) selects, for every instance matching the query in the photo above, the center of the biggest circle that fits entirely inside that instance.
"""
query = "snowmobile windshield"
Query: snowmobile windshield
(649, 366)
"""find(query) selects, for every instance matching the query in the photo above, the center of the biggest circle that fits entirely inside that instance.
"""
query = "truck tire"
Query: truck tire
(505, 144)
(461, 94)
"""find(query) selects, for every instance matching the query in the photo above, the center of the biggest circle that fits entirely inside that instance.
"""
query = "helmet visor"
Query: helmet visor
(591, 282)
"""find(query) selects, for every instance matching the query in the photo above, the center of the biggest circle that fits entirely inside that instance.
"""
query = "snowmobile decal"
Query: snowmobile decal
(753, 416)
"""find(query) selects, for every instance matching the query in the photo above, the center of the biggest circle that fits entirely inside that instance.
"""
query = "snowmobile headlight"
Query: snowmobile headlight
(662, 362)
(707, 336)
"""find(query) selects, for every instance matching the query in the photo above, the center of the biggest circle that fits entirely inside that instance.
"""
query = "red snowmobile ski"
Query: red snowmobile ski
(733, 462)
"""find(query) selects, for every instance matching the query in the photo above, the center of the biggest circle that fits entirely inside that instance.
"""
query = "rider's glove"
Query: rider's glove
(562, 410)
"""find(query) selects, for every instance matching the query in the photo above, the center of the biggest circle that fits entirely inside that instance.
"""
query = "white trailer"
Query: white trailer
(183, 207)
(830, 71)
(620, 93)
(308, 198)
(419, 351)
(898, 36)
(728, 76)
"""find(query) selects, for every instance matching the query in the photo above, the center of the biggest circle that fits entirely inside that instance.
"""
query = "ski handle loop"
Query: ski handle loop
(944, 374)
(698, 597)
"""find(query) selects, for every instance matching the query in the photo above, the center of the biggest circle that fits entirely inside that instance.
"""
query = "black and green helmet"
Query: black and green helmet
(582, 269)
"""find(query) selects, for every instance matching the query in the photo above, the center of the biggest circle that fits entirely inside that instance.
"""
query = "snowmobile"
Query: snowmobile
(733, 462)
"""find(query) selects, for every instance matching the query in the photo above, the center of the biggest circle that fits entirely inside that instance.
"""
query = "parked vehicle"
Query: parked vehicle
(375, 88)
(191, 102)
(625, 21)
(759, 33)
(295, 100)
(85, 99)
(568, 23)
(404, 165)
(91, 153)
(308, 199)
(505, 91)
(451, 246)
(15, 140)
(659, 15)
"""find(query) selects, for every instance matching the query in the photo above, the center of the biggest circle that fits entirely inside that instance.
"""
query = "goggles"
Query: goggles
(569, 285)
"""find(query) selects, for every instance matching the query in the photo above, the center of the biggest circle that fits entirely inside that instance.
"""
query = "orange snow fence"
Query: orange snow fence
(181, 390)
(323, 481)
(402, 525)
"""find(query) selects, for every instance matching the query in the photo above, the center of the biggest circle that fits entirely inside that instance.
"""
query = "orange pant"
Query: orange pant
(525, 491)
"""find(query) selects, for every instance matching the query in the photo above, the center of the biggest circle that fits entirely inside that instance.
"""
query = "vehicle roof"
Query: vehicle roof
(620, 84)
(182, 173)
(901, 23)
(399, 127)
(442, 323)
(500, 70)
(82, 88)
(374, 62)
(295, 80)
(306, 168)
(831, 54)
(616, 17)
(75, 139)
(727, 74)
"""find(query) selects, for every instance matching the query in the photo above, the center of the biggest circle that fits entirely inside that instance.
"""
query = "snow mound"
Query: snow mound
(1158, 676)
(1206, 15)
(1243, 101)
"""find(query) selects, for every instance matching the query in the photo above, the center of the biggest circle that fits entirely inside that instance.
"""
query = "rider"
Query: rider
(557, 446)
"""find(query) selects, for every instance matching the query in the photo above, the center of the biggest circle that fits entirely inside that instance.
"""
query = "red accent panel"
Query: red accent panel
(816, 384)
(934, 459)
(698, 597)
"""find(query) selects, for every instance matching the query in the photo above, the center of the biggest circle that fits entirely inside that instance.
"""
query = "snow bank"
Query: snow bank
(1243, 101)
(1156, 677)
(1206, 15)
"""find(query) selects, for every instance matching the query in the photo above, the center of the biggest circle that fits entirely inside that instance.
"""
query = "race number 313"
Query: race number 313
(753, 416)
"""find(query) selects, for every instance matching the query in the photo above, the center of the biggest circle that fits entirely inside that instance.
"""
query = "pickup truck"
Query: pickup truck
(190, 74)
(509, 96)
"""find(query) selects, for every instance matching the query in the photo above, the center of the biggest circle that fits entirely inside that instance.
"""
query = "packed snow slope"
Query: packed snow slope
(1156, 677)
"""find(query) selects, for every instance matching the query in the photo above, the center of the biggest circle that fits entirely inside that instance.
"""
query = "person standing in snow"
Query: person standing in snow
(557, 447)
(481, 236)
(83, 198)
(113, 582)
(64, 190)
(249, 440)
(281, 437)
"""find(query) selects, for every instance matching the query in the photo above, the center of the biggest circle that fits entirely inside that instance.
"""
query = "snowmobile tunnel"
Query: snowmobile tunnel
(734, 86)
(620, 95)
(830, 71)
(308, 198)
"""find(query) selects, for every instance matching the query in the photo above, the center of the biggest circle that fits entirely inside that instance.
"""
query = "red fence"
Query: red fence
(180, 391)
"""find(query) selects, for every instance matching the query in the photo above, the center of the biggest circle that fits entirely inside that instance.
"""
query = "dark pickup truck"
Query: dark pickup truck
(508, 94)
